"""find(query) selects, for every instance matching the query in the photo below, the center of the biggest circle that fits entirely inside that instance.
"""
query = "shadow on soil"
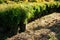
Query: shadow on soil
(56, 29)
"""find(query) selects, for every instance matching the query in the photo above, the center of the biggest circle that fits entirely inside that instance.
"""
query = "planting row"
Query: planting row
(13, 14)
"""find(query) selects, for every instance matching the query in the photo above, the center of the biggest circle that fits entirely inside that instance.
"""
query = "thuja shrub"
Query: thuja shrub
(10, 17)
(41, 9)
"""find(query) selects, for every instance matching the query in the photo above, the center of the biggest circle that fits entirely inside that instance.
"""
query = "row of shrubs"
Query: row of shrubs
(12, 14)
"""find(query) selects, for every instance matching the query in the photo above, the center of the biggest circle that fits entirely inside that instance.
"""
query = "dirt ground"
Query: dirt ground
(44, 28)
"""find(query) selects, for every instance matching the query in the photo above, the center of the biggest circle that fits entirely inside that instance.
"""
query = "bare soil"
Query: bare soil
(44, 28)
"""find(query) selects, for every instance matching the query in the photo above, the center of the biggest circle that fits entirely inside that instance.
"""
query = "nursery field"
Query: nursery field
(16, 14)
